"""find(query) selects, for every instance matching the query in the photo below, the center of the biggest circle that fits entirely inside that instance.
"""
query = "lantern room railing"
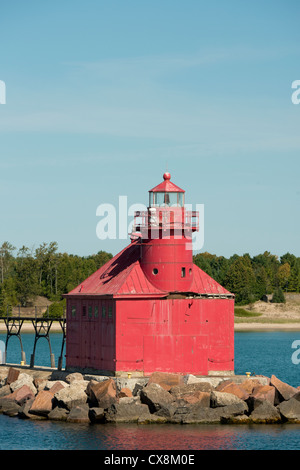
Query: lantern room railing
(166, 218)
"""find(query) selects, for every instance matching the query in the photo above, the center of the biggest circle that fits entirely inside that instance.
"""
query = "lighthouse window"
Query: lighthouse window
(84, 311)
(96, 311)
(155, 271)
(167, 199)
(73, 311)
(109, 311)
(90, 311)
(182, 272)
(103, 311)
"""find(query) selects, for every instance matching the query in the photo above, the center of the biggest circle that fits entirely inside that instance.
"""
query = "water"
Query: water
(263, 353)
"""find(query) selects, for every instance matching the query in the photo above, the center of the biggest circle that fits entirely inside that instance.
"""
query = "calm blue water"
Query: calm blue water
(263, 353)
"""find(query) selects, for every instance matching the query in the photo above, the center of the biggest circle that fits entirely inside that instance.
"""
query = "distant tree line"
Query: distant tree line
(44, 271)
(251, 278)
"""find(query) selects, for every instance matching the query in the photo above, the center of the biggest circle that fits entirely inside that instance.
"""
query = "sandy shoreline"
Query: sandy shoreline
(28, 327)
(253, 326)
(267, 326)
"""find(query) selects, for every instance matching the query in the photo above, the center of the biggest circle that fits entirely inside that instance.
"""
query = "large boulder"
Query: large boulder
(10, 408)
(58, 414)
(188, 390)
(249, 384)
(284, 391)
(23, 379)
(166, 380)
(70, 396)
(261, 393)
(157, 398)
(79, 414)
(73, 377)
(55, 386)
(290, 410)
(224, 399)
(235, 389)
(24, 410)
(127, 412)
(5, 390)
(198, 414)
(265, 413)
(12, 375)
(102, 394)
(42, 404)
(20, 395)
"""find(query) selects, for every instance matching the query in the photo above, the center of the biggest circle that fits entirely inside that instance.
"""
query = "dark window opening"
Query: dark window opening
(155, 271)
(84, 311)
(182, 272)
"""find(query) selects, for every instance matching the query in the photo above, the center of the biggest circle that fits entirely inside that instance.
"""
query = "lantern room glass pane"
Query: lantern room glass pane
(166, 199)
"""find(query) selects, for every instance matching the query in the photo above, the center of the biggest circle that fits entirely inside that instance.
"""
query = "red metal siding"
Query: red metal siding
(91, 334)
(179, 335)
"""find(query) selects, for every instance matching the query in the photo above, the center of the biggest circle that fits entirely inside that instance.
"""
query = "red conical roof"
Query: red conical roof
(166, 186)
(122, 276)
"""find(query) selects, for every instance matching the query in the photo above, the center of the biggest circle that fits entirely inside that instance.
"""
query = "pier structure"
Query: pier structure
(41, 327)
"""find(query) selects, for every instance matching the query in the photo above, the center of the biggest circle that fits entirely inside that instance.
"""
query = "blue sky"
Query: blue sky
(103, 96)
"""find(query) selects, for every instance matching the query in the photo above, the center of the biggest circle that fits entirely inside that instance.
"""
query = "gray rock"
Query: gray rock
(58, 414)
(23, 379)
(156, 398)
(265, 413)
(202, 415)
(224, 399)
(182, 390)
(132, 383)
(10, 408)
(127, 412)
(50, 383)
(71, 396)
(235, 409)
(290, 410)
(5, 390)
(79, 414)
(24, 410)
(73, 376)
(159, 400)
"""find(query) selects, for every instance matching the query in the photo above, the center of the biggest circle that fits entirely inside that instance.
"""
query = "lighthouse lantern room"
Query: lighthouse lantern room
(150, 308)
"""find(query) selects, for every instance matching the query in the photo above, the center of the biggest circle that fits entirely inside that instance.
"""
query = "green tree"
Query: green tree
(26, 279)
(240, 280)
(278, 296)
(6, 259)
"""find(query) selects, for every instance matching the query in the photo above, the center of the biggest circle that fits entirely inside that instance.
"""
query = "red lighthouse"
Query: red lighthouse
(150, 308)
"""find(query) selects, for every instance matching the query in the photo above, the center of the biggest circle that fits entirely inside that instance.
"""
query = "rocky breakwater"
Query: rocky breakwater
(163, 398)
